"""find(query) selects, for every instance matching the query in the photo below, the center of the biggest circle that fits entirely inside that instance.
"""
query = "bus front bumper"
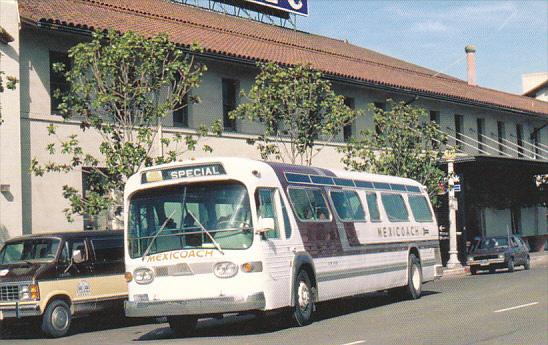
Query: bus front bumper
(19, 310)
(203, 306)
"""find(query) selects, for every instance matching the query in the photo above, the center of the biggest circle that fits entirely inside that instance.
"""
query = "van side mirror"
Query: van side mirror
(265, 225)
(77, 256)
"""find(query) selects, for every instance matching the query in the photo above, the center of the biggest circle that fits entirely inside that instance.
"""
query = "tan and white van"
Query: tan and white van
(52, 278)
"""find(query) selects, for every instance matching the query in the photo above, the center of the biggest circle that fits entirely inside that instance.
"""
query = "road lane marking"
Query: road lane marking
(355, 342)
(516, 307)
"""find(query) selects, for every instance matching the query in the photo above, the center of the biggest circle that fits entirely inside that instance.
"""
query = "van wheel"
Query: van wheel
(57, 318)
(303, 299)
(527, 265)
(511, 265)
(413, 289)
(183, 325)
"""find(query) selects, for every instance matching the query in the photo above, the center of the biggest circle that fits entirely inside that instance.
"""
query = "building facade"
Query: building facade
(496, 132)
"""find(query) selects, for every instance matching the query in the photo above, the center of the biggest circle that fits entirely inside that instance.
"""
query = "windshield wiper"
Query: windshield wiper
(157, 234)
(207, 233)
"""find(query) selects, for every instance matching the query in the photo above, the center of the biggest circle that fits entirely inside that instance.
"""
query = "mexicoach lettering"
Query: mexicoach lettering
(400, 231)
(183, 254)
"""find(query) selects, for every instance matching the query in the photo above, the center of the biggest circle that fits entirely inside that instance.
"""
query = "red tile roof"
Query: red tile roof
(243, 38)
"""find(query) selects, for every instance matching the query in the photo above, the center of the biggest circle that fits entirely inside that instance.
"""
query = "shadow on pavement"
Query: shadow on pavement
(100, 322)
(251, 325)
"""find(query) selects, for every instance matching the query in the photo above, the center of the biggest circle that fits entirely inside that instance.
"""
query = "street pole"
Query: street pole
(453, 207)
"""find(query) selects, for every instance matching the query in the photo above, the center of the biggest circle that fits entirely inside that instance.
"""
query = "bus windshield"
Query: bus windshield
(29, 251)
(212, 215)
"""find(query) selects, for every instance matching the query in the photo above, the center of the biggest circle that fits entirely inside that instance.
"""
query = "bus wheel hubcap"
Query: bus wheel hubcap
(304, 295)
(59, 318)
(416, 278)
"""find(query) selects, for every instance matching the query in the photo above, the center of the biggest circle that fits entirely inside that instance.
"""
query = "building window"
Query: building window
(535, 136)
(481, 133)
(435, 117)
(57, 80)
(382, 106)
(459, 124)
(519, 139)
(501, 134)
(180, 116)
(92, 183)
(348, 129)
(230, 101)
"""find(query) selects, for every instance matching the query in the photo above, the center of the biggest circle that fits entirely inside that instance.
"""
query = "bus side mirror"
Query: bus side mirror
(265, 225)
(77, 256)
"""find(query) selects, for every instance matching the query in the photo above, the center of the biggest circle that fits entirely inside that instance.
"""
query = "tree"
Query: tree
(405, 143)
(121, 86)
(10, 84)
(297, 108)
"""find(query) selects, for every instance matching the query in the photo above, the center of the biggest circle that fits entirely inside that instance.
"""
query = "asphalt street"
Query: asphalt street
(501, 308)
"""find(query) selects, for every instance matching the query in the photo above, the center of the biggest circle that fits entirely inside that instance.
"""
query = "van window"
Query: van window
(266, 208)
(309, 204)
(420, 208)
(108, 249)
(395, 207)
(348, 205)
(373, 206)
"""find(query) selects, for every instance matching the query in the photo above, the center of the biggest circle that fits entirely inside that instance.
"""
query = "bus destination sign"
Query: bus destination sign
(183, 172)
(294, 6)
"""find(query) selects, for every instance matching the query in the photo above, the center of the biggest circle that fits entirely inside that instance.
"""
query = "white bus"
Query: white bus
(214, 236)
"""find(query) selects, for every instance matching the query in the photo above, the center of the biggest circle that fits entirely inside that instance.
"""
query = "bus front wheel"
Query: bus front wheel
(303, 299)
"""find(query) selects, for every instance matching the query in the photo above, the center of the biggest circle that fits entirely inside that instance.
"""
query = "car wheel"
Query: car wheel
(473, 271)
(303, 299)
(527, 265)
(511, 265)
(182, 325)
(57, 318)
(492, 270)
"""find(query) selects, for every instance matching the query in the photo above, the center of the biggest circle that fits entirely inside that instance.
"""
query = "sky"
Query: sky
(511, 37)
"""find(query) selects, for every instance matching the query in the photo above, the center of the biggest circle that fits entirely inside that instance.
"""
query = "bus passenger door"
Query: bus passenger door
(276, 245)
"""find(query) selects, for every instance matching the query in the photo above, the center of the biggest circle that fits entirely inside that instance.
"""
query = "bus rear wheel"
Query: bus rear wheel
(413, 289)
(303, 299)
(183, 325)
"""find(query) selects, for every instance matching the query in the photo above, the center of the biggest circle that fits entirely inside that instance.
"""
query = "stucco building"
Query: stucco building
(499, 133)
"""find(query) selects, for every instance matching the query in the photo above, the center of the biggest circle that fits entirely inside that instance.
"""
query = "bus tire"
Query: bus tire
(413, 289)
(303, 299)
(182, 325)
(56, 319)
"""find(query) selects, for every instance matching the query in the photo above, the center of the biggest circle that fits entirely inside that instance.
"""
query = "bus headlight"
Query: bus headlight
(29, 293)
(225, 269)
(143, 276)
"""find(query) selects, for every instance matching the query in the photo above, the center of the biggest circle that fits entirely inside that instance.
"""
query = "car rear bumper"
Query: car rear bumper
(19, 310)
(204, 306)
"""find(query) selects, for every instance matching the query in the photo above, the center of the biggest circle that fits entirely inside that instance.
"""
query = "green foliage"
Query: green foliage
(297, 108)
(9, 83)
(121, 87)
(405, 144)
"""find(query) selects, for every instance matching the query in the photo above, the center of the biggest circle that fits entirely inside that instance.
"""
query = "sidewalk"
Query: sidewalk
(536, 259)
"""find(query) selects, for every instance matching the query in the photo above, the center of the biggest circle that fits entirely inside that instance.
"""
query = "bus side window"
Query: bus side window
(309, 204)
(266, 209)
(395, 207)
(420, 208)
(373, 206)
